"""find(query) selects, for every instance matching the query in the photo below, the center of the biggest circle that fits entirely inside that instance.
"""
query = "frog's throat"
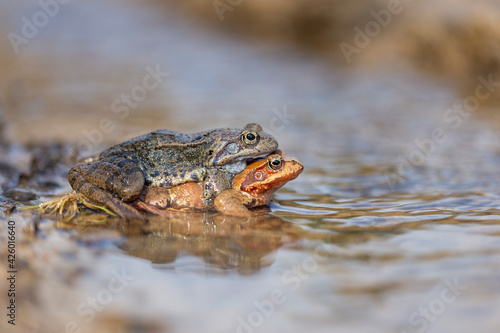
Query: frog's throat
(237, 167)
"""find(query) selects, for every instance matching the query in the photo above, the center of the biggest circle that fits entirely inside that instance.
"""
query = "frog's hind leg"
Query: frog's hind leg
(109, 182)
(99, 196)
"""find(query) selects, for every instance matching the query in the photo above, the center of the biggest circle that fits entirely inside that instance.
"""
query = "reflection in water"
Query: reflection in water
(223, 242)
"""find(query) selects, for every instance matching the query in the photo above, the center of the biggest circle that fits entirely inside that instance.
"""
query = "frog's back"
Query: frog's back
(167, 158)
(153, 140)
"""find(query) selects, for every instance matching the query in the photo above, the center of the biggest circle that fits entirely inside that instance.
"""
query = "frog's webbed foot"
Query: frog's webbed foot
(108, 182)
(231, 202)
(149, 208)
(159, 211)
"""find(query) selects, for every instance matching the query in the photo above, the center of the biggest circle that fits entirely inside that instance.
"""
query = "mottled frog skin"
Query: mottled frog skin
(253, 187)
(165, 159)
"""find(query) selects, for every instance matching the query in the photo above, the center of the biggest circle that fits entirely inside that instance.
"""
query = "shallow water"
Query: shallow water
(379, 233)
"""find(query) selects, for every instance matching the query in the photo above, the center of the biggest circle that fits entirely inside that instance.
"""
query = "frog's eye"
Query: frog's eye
(250, 138)
(275, 163)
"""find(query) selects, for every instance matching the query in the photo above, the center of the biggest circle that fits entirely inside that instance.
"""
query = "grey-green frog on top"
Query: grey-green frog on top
(165, 159)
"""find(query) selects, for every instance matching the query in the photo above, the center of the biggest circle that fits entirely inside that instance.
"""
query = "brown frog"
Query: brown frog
(253, 187)
(166, 159)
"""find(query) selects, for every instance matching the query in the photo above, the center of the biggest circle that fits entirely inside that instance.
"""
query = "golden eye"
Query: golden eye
(275, 163)
(250, 138)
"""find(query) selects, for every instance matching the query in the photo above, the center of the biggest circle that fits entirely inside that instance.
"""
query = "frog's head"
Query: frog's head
(250, 143)
(262, 178)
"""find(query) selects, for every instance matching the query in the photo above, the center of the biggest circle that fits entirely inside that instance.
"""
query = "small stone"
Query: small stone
(20, 195)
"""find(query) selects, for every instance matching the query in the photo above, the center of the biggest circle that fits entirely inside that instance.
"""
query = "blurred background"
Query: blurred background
(392, 106)
(226, 63)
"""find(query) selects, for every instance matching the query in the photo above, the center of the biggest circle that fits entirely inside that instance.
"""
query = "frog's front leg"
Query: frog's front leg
(232, 202)
(109, 182)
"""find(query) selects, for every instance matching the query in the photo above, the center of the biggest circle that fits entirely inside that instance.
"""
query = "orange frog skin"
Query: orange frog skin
(252, 187)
